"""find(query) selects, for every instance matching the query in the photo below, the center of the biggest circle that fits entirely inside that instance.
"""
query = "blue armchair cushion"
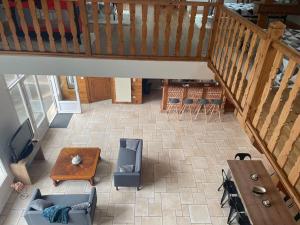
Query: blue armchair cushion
(40, 204)
(126, 168)
(81, 206)
(132, 144)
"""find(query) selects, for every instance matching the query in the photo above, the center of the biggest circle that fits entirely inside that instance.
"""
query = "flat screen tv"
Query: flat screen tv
(21, 142)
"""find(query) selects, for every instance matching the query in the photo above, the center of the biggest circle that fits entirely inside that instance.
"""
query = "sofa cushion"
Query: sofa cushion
(40, 204)
(67, 200)
(132, 144)
(81, 206)
(126, 168)
(126, 157)
(138, 159)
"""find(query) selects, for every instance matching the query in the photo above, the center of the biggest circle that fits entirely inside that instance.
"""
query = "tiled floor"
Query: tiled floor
(182, 164)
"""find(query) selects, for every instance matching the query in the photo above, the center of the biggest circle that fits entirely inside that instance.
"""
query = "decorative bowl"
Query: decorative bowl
(266, 203)
(254, 176)
(259, 190)
(76, 160)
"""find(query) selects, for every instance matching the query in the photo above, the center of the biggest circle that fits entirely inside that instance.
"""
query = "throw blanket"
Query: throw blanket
(57, 214)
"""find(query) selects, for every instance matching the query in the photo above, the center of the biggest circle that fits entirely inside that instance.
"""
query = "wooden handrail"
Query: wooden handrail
(248, 78)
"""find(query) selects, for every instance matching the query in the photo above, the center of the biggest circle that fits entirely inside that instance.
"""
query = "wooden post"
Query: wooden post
(85, 27)
(266, 57)
(215, 27)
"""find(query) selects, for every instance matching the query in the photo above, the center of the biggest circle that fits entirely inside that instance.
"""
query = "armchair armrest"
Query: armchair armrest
(35, 195)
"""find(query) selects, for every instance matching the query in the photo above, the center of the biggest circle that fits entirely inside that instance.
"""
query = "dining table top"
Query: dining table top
(258, 213)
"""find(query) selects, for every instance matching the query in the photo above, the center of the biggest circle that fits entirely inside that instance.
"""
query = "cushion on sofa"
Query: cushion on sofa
(126, 168)
(81, 206)
(40, 204)
(132, 144)
(126, 157)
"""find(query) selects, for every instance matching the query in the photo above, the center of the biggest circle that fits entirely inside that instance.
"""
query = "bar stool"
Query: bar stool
(187, 105)
(242, 156)
(202, 103)
(216, 105)
(173, 106)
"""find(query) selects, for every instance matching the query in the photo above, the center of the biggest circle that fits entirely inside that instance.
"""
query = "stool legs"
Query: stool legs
(198, 110)
(184, 107)
(173, 108)
(212, 110)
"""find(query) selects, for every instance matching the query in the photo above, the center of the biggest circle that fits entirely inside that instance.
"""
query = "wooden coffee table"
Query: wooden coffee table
(65, 170)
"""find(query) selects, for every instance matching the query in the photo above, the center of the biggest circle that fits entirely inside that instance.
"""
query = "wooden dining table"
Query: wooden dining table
(277, 213)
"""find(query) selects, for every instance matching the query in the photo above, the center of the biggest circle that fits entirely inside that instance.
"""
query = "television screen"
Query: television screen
(21, 139)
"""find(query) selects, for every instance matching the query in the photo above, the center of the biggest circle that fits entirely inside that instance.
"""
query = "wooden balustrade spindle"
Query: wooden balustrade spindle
(229, 37)
(294, 175)
(36, 25)
(246, 65)
(156, 30)
(277, 99)
(179, 29)
(70, 9)
(108, 27)
(61, 26)
(96, 25)
(11, 25)
(48, 25)
(219, 28)
(144, 28)
(23, 25)
(167, 30)
(267, 88)
(3, 38)
(240, 61)
(191, 31)
(85, 27)
(120, 28)
(287, 108)
(132, 28)
(202, 31)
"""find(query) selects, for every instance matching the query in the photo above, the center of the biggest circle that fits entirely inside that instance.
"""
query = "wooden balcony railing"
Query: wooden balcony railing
(110, 28)
(262, 76)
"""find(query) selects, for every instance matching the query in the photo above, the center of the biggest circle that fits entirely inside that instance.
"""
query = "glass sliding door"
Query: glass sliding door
(36, 105)
(66, 94)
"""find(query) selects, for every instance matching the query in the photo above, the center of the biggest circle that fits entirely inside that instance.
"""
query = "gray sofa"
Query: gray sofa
(76, 217)
(130, 153)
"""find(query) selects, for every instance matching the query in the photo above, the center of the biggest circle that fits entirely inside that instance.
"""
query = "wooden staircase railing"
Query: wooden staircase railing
(262, 77)
(137, 29)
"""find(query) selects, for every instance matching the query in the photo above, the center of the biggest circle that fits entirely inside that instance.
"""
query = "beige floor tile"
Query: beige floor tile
(151, 221)
(123, 213)
(199, 214)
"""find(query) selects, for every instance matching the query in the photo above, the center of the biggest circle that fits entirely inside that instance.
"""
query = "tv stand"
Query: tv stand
(20, 169)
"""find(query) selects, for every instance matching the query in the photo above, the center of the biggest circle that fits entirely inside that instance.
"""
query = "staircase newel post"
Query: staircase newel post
(265, 59)
(220, 4)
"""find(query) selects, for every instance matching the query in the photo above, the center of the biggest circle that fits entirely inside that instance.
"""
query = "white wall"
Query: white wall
(9, 123)
(20, 64)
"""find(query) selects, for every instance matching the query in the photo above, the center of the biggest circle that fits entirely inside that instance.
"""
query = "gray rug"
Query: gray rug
(61, 120)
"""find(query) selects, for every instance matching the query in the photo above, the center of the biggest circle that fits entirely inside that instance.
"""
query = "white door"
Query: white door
(66, 94)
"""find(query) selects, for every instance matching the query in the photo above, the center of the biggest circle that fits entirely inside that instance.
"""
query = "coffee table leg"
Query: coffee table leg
(55, 182)
(92, 182)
